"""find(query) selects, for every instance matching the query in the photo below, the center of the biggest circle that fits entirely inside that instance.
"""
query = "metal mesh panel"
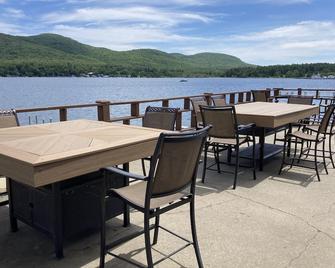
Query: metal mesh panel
(196, 103)
(8, 119)
(160, 117)
(219, 101)
(222, 120)
(176, 166)
(326, 119)
(300, 100)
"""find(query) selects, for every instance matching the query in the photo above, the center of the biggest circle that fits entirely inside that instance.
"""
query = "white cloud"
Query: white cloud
(9, 28)
(2, 1)
(14, 13)
(120, 38)
(129, 14)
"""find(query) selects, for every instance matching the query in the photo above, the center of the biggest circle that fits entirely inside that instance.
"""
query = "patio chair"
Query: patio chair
(161, 118)
(219, 100)
(196, 103)
(304, 100)
(261, 95)
(226, 134)
(315, 138)
(170, 184)
(7, 119)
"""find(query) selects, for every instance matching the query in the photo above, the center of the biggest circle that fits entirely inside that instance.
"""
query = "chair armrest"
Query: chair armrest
(124, 173)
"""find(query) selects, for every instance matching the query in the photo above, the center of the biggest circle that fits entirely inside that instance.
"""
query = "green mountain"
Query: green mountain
(56, 55)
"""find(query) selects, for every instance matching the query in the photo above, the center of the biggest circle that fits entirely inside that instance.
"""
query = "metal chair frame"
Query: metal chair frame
(219, 147)
(155, 213)
(266, 92)
(8, 113)
(319, 138)
(196, 103)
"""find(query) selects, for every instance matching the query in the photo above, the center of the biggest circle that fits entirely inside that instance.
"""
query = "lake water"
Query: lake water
(40, 92)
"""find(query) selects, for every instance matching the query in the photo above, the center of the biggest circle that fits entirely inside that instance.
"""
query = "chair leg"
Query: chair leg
(147, 239)
(217, 158)
(301, 150)
(194, 234)
(254, 156)
(237, 149)
(156, 230)
(324, 155)
(331, 151)
(284, 154)
(205, 164)
(295, 152)
(316, 160)
(143, 167)
(275, 138)
(102, 225)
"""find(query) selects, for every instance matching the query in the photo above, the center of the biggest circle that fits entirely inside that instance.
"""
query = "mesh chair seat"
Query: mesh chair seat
(305, 136)
(135, 194)
(229, 141)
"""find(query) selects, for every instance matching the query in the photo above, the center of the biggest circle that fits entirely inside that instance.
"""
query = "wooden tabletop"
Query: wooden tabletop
(272, 115)
(42, 154)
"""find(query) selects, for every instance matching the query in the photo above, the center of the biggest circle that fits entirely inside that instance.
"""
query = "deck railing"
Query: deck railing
(104, 107)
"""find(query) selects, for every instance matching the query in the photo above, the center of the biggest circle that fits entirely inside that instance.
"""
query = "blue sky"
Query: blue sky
(257, 31)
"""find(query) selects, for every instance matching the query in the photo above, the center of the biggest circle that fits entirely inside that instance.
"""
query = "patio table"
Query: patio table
(268, 117)
(50, 154)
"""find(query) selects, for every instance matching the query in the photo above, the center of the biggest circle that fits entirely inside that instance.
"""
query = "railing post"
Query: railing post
(299, 91)
(103, 110)
(240, 97)
(248, 97)
(187, 104)
(165, 103)
(179, 121)
(276, 92)
(317, 94)
(232, 98)
(135, 109)
(63, 114)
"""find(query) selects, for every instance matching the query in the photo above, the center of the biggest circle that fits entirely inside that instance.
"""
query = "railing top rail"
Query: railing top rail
(38, 109)
(307, 89)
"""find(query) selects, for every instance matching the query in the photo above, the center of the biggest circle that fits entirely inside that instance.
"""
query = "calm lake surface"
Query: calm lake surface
(40, 92)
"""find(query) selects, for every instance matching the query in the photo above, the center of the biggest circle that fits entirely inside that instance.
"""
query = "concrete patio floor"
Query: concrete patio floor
(275, 221)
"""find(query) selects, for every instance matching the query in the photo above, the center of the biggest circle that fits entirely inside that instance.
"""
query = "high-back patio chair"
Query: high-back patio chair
(7, 119)
(219, 100)
(303, 100)
(261, 95)
(225, 134)
(196, 103)
(161, 118)
(311, 139)
(170, 184)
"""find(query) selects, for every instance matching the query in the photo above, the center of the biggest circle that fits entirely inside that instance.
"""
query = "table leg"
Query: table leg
(12, 219)
(57, 220)
(261, 148)
(126, 212)
(289, 131)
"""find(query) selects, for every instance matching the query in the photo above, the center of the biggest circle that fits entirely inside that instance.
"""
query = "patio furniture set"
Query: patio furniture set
(57, 168)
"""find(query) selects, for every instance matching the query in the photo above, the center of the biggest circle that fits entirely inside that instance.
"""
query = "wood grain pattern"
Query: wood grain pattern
(273, 115)
(42, 154)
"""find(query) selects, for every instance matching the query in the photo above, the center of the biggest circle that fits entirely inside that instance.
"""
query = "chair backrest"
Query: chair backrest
(160, 117)
(196, 103)
(8, 119)
(306, 100)
(261, 95)
(222, 119)
(219, 100)
(175, 162)
(326, 119)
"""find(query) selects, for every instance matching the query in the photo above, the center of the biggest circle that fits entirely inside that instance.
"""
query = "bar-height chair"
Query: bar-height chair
(170, 184)
(261, 95)
(196, 103)
(219, 100)
(161, 118)
(7, 119)
(303, 100)
(312, 139)
(226, 134)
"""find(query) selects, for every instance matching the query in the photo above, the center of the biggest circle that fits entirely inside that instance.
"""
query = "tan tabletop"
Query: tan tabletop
(272, 115)
(42, 154)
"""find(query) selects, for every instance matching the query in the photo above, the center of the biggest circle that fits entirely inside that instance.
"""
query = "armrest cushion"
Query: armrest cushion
(124, 173)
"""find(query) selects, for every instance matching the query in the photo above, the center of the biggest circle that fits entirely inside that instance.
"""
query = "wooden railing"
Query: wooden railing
(104, 107)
